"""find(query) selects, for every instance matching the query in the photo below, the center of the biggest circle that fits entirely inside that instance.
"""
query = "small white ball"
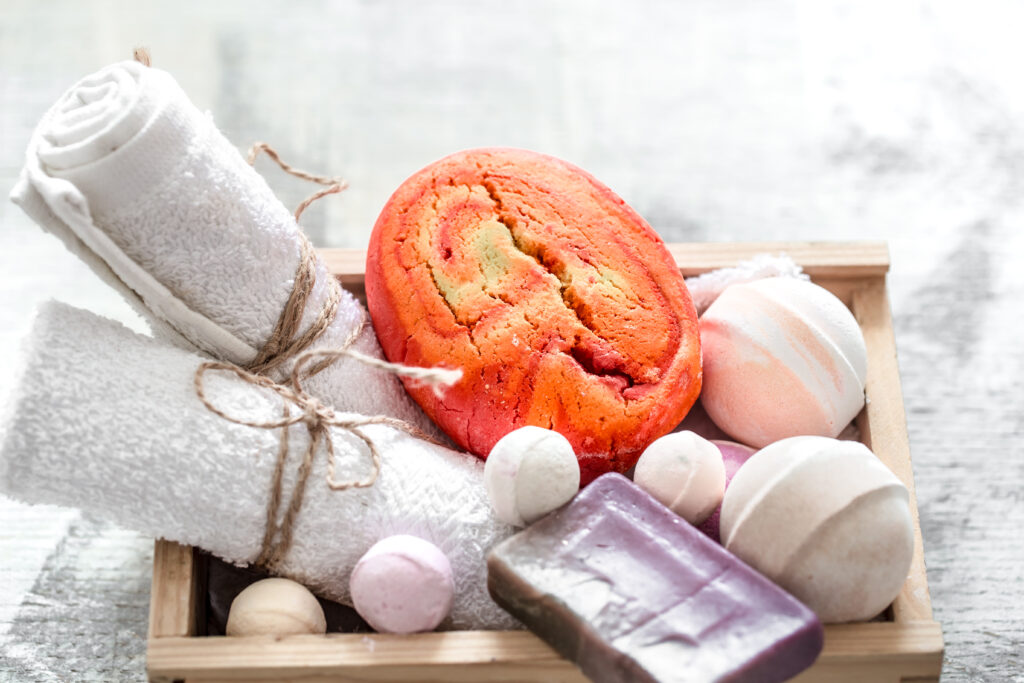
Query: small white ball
(685, 472)
(530, 472)
(403, 584)
(275, 607)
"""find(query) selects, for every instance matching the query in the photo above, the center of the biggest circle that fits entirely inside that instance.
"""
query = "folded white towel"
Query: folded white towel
(108, 421)
(144, 187)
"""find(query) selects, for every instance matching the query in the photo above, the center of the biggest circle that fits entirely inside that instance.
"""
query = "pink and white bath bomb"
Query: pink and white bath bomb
(403, 584)
(685, 472)
(782, 357)
(824, 519)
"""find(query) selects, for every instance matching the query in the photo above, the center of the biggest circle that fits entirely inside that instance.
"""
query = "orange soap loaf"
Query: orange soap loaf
(560, 304)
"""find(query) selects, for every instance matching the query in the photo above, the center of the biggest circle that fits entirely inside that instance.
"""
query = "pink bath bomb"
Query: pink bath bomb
(403, 584)
(734, 455)
(782, 357)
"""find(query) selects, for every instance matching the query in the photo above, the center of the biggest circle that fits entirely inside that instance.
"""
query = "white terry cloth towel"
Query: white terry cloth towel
(108, 421)
(141, 184)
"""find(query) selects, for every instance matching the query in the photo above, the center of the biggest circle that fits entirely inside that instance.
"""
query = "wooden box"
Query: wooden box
(906, 646)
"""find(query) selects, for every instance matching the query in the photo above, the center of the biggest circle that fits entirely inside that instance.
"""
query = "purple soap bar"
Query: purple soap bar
(629, 591)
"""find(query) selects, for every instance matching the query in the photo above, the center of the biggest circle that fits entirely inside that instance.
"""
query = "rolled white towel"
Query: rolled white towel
(108, 421)
(142, 185)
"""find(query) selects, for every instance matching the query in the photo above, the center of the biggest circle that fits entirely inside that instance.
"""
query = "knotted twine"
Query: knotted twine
(318, 418)
(286, 343)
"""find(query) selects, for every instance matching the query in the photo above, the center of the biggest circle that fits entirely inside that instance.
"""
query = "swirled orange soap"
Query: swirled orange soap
(560, 304)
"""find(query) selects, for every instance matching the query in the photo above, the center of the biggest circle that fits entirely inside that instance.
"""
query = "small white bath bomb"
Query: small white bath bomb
(825, 520)
(275, 607)
(530, 472)
(403, 584)
(781, 357)
(684, 471)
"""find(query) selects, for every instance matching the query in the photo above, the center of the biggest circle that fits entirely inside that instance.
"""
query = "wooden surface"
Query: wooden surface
(835, 120)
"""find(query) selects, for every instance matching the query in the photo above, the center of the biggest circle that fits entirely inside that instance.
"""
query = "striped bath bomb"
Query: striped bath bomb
(782, 357)
(560, 304)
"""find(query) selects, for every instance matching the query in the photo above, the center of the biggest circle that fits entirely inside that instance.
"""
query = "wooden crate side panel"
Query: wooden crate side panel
(860, 652)
(454, 656)
(878, 652)
(842, 287)
(819, 259)
(836, 266)
(883, 426)
(174, 595)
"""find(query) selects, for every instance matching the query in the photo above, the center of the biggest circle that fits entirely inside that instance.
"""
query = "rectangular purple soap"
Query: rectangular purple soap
(629, 591)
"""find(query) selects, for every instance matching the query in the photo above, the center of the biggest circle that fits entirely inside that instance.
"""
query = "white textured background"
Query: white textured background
(901, 121)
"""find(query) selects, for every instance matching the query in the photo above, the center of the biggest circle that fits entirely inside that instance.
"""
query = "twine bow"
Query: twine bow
(287, 342)
(298, 406)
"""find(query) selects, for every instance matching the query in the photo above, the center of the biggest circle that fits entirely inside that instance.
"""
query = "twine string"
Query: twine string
(299, 407)
(332, 185)
(285, 343)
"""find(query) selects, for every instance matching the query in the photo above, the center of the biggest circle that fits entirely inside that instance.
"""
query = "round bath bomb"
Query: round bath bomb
(734, 455)
(275, 607)
(782, 357)
(530, 472)
(403, 584)
(825, 520)
(685, 472)
(562, 307)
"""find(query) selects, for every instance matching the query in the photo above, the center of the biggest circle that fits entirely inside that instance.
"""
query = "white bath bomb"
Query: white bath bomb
(530, 472)
(684, 471)
(275, 607)
(781, 357)
(403, 584)
(825, 520)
